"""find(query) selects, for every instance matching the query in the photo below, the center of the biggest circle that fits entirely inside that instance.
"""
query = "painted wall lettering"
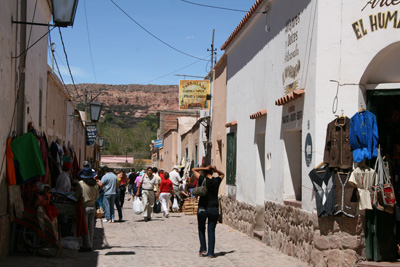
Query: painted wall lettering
(376, 22)
(380, 3)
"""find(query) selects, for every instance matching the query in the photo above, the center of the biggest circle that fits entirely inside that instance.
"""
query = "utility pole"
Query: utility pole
(213, 51)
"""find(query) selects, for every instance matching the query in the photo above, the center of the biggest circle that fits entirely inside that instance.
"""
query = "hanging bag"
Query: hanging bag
(201, 191)
(137, 206)
(157, 206)
(175, 206)
(382, 192)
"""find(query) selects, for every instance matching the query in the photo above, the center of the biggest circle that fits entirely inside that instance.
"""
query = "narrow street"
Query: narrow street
(161, 242)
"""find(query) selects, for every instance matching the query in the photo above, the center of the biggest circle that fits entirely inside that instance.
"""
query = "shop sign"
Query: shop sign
(292, 117)
(158, 143)
(308, 150)
(193, 94)
(91, 134)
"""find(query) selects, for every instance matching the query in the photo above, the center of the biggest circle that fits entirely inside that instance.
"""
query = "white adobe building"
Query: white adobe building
(292, 65)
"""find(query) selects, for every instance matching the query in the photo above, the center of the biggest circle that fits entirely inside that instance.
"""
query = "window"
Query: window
(231, 159)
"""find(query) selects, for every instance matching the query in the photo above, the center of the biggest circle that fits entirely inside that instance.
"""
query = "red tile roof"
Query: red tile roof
(242, 23)
(230, 124)
(258, 114)
(290, 97)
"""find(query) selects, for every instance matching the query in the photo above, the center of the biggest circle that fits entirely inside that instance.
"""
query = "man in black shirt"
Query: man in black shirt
(131, 182)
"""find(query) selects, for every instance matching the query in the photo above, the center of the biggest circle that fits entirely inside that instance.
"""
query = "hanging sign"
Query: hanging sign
(158, 143)
(193, 94)
(91, 134)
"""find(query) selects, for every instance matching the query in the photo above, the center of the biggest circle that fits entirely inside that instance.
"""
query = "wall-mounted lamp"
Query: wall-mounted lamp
(208, 97)
(95, 110)
(63, 14)
(101, 141)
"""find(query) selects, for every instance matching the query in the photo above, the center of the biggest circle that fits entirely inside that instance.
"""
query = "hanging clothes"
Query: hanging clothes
(364, 136)
(27, 152)
(43, 149)
(337, 147)
(345, 197)
(10, 168)
(362, 179)
(324, 188)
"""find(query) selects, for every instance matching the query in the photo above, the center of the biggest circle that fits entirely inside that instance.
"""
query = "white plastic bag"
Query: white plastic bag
(137, 206)
(175, 205)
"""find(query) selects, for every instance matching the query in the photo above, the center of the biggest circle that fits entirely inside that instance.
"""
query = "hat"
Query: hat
(86, 163)
(67, 165)
(176, 167)
(88, 173)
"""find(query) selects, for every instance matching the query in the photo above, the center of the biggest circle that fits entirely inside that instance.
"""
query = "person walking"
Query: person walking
(166, 190)
(176, 180)
(208, 208)
(131, 183)
(117, 201)
(109, 184)
(147, 183)
(122, 187)
(88, 190)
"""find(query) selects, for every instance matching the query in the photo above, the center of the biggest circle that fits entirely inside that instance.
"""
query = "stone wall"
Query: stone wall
(238, 215)
(328, 241)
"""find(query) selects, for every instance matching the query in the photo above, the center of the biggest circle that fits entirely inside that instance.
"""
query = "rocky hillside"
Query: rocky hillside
(125, 105)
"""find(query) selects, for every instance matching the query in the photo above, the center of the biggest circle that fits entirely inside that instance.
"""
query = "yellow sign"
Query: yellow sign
(193, 94)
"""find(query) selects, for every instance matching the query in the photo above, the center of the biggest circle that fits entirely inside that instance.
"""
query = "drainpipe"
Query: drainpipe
(20, 123)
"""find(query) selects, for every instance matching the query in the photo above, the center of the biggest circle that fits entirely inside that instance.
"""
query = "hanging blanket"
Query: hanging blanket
(29, 219)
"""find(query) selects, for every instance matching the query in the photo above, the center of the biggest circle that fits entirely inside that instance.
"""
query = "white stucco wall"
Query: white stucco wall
(331, 61)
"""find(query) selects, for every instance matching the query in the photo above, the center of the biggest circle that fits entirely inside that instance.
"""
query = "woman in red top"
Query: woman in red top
(166, 190)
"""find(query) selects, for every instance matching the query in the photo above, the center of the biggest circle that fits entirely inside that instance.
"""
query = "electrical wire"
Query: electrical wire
(90, 46)
(69, 69)
(217, 7)
(177, 70)
(143, 28)
(58, 69)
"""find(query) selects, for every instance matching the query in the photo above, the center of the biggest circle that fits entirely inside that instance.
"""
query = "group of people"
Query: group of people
(108, 188)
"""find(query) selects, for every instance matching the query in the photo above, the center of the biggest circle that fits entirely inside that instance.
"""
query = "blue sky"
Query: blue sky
(123, 53)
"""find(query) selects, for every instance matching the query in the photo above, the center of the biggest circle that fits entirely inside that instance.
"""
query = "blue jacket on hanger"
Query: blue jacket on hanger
(363, 136)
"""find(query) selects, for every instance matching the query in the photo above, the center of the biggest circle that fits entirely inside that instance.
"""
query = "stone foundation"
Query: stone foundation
(328, 241)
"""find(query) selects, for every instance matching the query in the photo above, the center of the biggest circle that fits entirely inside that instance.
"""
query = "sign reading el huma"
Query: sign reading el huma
(193, 94)
(91, 134)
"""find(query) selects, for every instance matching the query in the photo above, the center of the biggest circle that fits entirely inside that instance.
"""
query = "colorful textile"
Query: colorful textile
(81, 226)
(27, 152)
(43, 149)
(364, 136)
(29, 219)
(10, 172)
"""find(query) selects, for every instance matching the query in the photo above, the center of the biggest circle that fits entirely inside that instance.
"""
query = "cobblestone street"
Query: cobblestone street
(161, 242)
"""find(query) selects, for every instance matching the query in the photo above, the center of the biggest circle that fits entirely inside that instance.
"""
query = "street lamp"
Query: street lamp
(106, 144)
(63, 14)
(101, 141)
(126, 154)
(95, 110)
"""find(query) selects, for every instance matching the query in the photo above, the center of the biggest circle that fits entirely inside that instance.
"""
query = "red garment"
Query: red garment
(162, 176)
(10, 164)
(43, 149)
(51, 211)
(81, 226)
(166, 186)
(124, 179)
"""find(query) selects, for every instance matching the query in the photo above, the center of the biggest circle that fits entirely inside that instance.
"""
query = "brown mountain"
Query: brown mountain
(125, 105)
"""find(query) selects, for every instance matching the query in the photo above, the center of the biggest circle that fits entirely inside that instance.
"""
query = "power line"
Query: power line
(137, 23)
(66, 58)
(217, 7)
(90, 46)
(58, 69)
(177, 70)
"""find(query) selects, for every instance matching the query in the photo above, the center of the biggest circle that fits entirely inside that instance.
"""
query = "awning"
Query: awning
(258, 114)
(230, 124)
(290, 97)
